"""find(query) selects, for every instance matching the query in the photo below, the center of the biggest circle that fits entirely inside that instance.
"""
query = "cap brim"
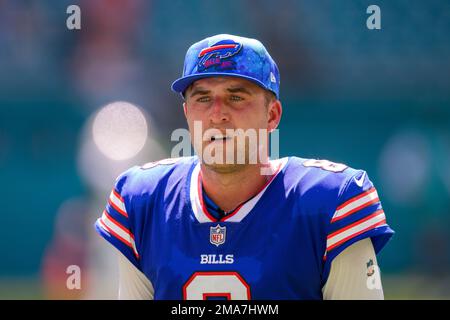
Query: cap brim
(181, 84)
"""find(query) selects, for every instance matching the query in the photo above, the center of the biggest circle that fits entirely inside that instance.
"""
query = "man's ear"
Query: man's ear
(185, 109)
(275, 111)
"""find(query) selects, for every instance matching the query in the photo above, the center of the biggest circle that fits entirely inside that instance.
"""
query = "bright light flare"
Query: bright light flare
(120, 130)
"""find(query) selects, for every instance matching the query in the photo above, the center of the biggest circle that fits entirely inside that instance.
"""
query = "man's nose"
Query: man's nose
(219, 112)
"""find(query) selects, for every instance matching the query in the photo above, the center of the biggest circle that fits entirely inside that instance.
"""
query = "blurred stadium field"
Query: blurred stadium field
(404, 287)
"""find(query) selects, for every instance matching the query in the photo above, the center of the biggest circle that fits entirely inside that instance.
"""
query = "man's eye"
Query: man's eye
(236, 98)
(203, 99)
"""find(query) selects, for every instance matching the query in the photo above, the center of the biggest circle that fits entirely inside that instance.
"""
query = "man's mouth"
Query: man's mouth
(219, 138)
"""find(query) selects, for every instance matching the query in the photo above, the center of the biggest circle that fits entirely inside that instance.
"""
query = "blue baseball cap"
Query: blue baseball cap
(228, 55)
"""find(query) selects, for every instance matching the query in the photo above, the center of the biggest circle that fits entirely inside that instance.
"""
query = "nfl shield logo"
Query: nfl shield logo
(217, 235)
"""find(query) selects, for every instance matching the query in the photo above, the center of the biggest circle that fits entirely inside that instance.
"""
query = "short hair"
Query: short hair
(269, 96)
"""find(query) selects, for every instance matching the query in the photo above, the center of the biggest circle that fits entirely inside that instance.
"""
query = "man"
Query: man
(206, 228)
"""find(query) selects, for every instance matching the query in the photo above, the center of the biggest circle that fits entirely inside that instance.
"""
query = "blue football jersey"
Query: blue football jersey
(277, 245)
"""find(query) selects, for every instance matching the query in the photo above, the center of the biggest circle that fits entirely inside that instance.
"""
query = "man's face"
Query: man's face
(225, 104)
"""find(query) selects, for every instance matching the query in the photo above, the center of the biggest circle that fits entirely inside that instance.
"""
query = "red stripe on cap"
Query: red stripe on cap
(221, 46)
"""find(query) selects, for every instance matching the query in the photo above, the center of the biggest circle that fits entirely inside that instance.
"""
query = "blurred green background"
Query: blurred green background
(373, 99)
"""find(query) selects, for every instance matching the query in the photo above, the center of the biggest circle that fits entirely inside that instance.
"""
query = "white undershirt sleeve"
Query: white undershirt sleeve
(354, 274)
(133, 284)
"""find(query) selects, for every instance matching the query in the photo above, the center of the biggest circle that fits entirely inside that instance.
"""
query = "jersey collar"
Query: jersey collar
(199, 208)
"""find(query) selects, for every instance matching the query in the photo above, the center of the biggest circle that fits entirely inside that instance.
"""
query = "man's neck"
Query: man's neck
(229, 190)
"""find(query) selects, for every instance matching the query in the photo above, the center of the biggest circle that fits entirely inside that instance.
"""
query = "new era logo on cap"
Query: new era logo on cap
(272, 78)
(228, 55)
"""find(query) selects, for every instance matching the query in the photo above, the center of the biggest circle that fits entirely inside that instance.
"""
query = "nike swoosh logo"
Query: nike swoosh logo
(360, 181)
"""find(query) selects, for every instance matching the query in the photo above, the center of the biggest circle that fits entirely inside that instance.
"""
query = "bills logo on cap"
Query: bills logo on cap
(217, 54)
(217, 235)
(229, 55)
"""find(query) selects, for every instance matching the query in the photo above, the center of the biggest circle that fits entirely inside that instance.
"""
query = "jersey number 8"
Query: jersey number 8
(226, 284)
(325, 165)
